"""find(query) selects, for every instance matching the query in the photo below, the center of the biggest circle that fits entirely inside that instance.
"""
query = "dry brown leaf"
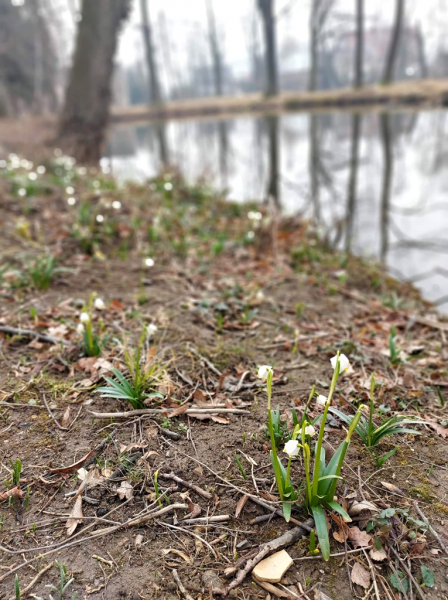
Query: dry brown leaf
(75, 516)
(127, 448)
(218, 419)
(66, 417)
(439, 429)
(362, 508)
(359, 538)
(339, 536)
(177, 411)
(392, 488)
(14, 492)
(186, 558)
(378, 554)
(241, 503)
(75, 466)
(125, 491)
(360, 576)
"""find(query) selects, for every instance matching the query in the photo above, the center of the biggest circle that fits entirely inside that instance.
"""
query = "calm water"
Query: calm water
(376, 184)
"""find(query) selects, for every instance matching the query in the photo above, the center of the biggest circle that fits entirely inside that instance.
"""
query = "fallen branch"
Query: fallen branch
(411, 577)
(187, 484)
(157, 411)
(431, 529)
(34, 334)
(288, 538)
(180, 585)
(55, 421)
(206, 520)
(209, 364)
(32, 583)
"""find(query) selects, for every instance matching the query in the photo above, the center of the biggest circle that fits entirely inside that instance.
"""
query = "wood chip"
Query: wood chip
(273, 567)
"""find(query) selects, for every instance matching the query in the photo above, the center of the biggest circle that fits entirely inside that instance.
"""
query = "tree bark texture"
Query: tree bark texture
(266, 10)
(394, 42)
(88, 95)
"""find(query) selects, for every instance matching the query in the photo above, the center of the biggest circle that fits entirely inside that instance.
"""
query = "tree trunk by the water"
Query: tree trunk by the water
(155, 94)
(312, 81)
(387, 183)
(359, 54)
(214, 49)
(273, 191)
(421, 52)
(353, 181)
(86, 110)
(394, 42)
(268, 18)
(313, 164)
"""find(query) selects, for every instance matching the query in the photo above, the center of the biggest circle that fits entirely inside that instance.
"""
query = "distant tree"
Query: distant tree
(394, 42)
(88, 95)
(266, 10)
(215, 50)
(359, 53)
(318, 16)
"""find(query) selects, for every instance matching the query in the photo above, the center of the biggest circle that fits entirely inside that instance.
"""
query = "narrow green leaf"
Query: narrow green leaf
(338, 508)
(322, 531)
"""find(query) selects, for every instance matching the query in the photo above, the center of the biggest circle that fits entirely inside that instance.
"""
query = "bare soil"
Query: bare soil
(287, 304)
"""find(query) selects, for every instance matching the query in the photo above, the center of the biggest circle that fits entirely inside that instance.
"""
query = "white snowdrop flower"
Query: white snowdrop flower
(168, 186)
(99, 304)
(71, 201)
(99, 218)
(250, 235)
(22, 192)
(26, 164)
(32, 176)
(149, 262)
(96, 184)
(80, 328)
(260, 295)
(41, 169)
(116, 204)
(151, 329)
(70, 190)
(254, 215)
(321, 400)
(264, 371)
(309, 430)
(343, 362)
(84, 317)
(291, 448)
(82, 171)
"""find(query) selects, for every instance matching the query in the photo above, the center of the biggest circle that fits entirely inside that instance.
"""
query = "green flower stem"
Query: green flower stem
(372, 391)
(306, 461)
(277, 472)
(310, 397)
(322, 426)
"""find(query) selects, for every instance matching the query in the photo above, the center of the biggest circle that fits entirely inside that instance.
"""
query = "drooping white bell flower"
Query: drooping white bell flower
(321, 399)
(84, 317)
(80, 328)
(149, 262)
(343, 362)
(264, 371)
(151, 329)
(99, 304)
(309, 430)
(291, 448)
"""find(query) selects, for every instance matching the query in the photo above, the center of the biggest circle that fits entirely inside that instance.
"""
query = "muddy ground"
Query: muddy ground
(277, 297)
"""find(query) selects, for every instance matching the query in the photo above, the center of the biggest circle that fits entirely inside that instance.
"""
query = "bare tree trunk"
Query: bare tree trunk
(266, 10)
(313, 160)
(387, 182)
(359, 55)
(88, 95)
(214, 49)
(421, 52)
(155, 95)
(394, 43)
(353, 181)
(314, 55)
(273, 183)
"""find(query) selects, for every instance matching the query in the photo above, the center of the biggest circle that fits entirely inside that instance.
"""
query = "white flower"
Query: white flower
(309, 430)
(321, 400)
(71, 201)
(264, 371)
(22, 192)
(344, 363)
(80, 328)
(168, 186)
(70, 190)
(292, 448)
(149, 262)
(99, 218)
(41, 169)
(99, 304)
(84, 317)
(116, 204)
(151, 329)
(32, 176)
(254, 216)
(96, 184)
(250, 235)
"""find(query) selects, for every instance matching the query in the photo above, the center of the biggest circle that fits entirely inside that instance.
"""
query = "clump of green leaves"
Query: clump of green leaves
(92, 342)
(394, 352)
(16, 471)
(43, 270)
(142, 379)
(63, 585)
(372, 434)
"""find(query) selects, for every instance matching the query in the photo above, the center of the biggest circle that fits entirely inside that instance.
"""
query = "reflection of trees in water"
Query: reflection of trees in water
(385, 130)
(353, 180)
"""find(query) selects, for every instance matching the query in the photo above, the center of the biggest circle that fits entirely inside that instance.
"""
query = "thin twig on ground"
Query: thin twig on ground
(411, 577)
(55, 421)
(180, 585)
(157, 411)
(431, 529)
(32, 583)
(187, 484)
(34, 334)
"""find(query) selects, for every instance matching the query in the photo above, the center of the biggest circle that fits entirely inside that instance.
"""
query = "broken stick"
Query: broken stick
(288, 538)
(34, 334)
(187, 484)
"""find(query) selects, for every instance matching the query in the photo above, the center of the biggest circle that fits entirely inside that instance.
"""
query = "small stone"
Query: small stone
(273, 568)
(242, 545)
(211, 579)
